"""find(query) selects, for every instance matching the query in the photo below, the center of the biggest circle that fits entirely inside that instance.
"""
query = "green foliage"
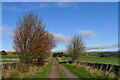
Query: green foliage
(14, 53)
(58, 54)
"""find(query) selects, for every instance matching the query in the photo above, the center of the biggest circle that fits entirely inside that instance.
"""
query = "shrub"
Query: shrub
(14, 53)
(3, 52)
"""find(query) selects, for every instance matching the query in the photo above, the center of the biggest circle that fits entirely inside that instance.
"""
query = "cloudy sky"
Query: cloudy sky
(97, 22)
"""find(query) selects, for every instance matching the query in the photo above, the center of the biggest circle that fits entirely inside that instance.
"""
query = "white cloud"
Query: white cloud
(26, 7)
(61, 38)
(14, 8)
(36, 6)
(60, 50)
(110, 46)
(87, 33)
(43, 5)
(61, 4)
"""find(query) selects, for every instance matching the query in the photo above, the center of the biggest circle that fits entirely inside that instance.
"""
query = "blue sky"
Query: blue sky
(97, 22)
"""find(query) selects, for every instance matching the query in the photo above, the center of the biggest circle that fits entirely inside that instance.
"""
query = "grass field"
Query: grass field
(14, 57)
(8, 61)
(11, 54)
(112, 60)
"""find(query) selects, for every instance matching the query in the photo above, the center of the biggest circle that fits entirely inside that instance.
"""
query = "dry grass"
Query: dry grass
(22, 70)
(60, 59)
(96, 72)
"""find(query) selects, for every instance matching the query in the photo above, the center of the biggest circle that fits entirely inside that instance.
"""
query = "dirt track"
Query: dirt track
(59, 71)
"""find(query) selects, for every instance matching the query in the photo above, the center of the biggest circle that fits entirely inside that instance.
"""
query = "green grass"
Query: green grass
(112, 60)
(8, 61)
(57, 59)
(12, 57)
(11, 54)
(43, 73)
(80, 72)
(67, 58)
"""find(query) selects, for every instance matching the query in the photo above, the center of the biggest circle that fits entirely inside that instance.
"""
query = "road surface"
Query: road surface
(59, 71)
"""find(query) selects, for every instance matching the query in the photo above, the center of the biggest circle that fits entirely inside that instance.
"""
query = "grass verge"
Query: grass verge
(43, 73)
(87, 72)
(25, 71)
(80, 72)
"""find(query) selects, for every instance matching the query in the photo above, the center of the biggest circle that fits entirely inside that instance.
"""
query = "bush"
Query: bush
(14, 53)
(58, 54)
(3, 52)
(22, 67)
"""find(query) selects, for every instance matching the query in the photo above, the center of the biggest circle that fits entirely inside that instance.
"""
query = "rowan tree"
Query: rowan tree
(31, 41)
(76, 47)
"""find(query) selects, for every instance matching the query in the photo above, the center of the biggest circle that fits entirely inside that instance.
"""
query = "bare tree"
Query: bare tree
(31, 41)
(76, 47)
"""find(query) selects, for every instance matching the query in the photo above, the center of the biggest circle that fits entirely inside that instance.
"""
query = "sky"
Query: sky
(60, 0)
(97, 22)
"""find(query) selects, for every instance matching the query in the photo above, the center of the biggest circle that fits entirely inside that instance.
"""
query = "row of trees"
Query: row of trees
(60, 54)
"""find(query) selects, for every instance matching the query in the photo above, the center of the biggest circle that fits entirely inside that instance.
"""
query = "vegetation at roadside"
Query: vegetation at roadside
(27, 71)
(80, 72)
(43, 73)
(112, 60)
(57, 59)
(88, 72)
